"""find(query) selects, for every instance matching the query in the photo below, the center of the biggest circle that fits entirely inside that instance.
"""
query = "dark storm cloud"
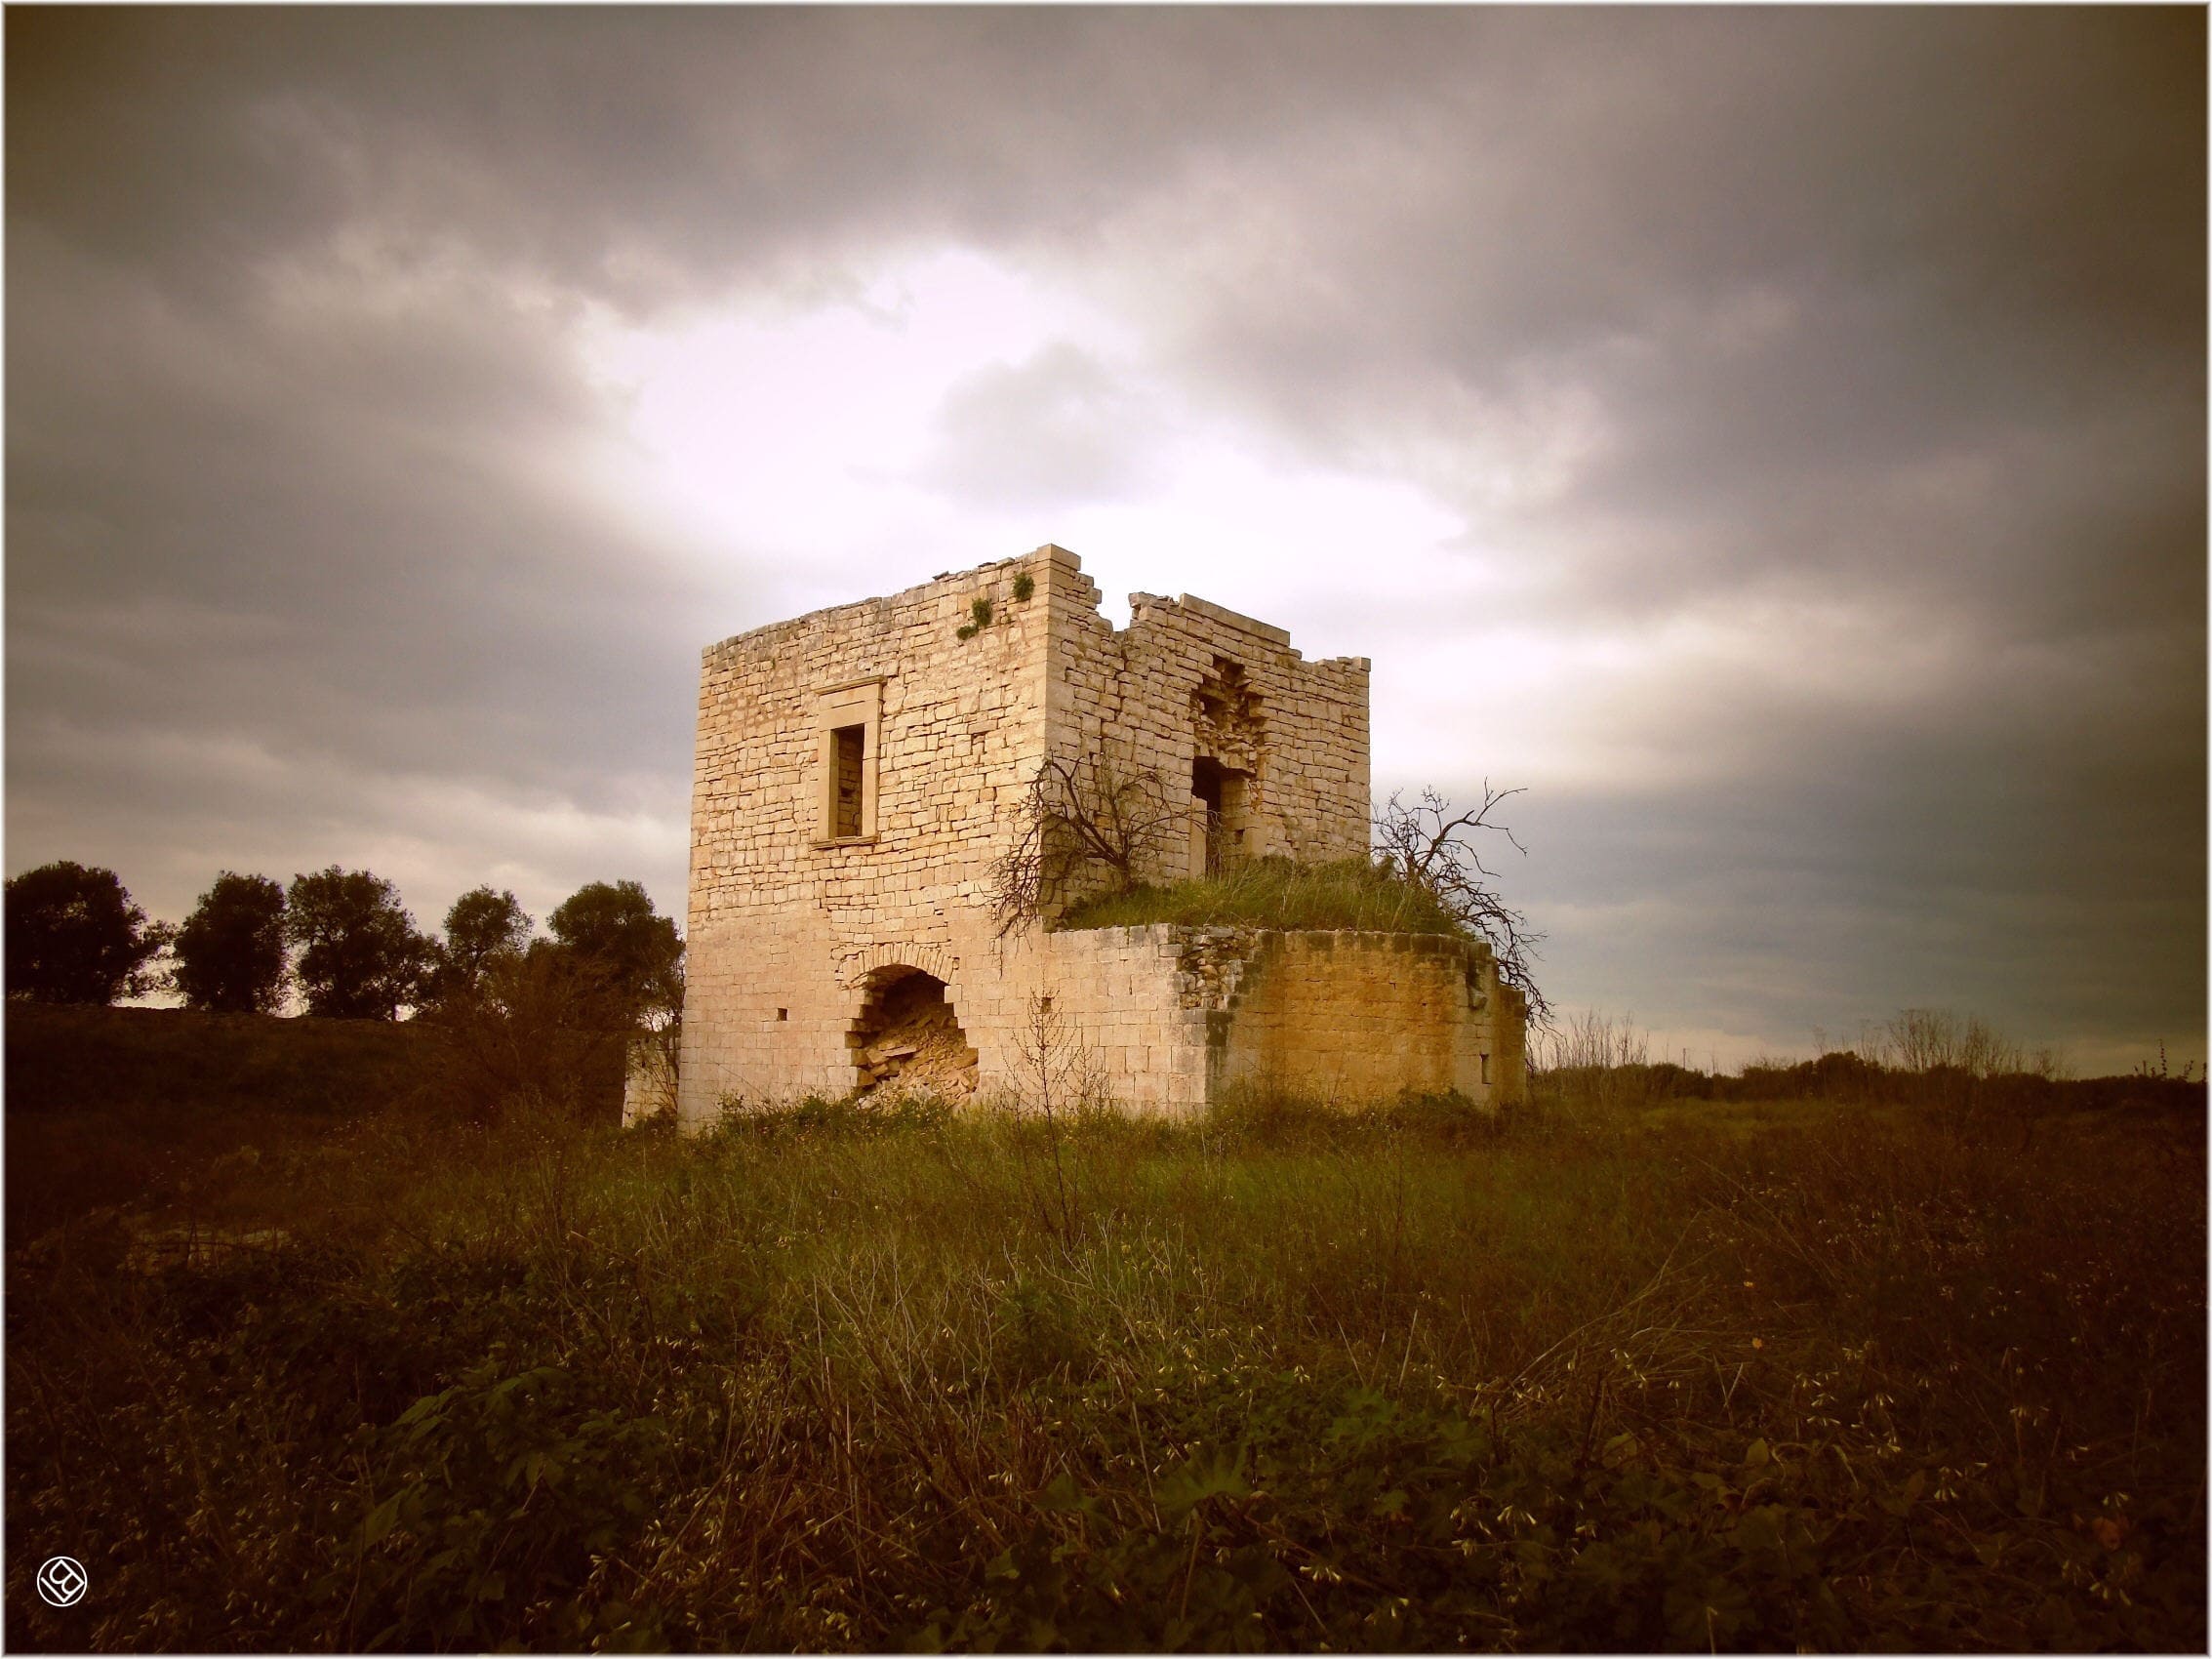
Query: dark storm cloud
(233, 509)
(1890, 312)
(267, 577)
(1887, 315)
(1787, 255)
(333, 513)
(640, 152)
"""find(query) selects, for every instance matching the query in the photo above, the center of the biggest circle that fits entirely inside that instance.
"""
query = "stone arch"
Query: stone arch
(907, 1030)
(862, 962)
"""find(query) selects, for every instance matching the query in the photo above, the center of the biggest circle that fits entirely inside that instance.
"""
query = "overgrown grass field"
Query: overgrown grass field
(129, 1107)
(1814, 1375)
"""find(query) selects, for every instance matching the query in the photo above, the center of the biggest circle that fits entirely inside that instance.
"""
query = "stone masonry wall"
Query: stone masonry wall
(649, 1081)
(792, 924)
(1169, 1018)
(786, 922)
(1360, 1015)
(1129, 694)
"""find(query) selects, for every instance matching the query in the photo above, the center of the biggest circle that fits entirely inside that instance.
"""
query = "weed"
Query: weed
(979, 619)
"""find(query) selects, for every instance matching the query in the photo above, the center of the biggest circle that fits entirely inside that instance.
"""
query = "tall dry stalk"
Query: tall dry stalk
(1055, 1076)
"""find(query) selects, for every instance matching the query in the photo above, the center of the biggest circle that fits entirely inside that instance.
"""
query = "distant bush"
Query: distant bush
(1348, 894)
(1595, 1060)
(543, 1032)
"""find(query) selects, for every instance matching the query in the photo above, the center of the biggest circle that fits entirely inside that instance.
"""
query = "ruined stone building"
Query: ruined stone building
(863, 770)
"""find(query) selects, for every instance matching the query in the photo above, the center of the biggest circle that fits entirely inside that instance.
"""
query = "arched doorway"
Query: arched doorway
(907, 1033)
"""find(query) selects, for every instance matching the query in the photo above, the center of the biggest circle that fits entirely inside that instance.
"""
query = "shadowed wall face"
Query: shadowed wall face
(1363, 1016)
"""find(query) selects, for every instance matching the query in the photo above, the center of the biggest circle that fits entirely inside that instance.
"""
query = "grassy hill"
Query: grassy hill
(118, 1105)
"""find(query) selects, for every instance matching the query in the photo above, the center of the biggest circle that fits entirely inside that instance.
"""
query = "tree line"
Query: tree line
(344, 942)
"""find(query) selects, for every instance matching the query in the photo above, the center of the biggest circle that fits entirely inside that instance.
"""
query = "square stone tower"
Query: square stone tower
(862, 771)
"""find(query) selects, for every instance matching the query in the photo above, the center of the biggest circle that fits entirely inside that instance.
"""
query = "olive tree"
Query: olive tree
(360, 955)
(612, 930)
(230, 955)
(74, 936)
(484, 927)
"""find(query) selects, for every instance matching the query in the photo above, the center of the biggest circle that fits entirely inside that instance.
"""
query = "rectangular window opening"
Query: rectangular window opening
(1486, 1069)
(848, 734)
(851, 747)
(782, 1012)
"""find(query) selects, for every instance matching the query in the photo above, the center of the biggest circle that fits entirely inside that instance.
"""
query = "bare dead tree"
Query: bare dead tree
(1435, 848)
(1084, 825)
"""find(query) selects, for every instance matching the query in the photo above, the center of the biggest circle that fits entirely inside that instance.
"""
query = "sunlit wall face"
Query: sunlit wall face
(1773, 441)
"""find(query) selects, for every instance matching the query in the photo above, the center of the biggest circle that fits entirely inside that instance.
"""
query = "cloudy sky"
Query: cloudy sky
(1775, 439)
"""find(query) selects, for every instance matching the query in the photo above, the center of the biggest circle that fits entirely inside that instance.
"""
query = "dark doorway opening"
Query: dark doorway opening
(1221, 791)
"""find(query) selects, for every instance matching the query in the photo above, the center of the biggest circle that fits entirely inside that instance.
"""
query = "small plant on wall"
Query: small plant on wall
(979, 619)
(1024, 584)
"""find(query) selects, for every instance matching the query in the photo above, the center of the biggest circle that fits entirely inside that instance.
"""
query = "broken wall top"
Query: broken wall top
(859, 615)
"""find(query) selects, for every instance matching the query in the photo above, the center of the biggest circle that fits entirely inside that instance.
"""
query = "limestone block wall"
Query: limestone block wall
(860, 769)
(786, 917)
(649, 1081)
(1365, 1015)
(1125, 998)
(1170, 1019)
(1299, 728)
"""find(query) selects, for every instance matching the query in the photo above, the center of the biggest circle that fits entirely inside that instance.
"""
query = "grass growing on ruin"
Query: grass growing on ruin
(883, 1378)
(1276, 893)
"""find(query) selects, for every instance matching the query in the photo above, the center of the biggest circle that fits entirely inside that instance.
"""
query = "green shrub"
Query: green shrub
(494, 1501)
(881, 1111)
